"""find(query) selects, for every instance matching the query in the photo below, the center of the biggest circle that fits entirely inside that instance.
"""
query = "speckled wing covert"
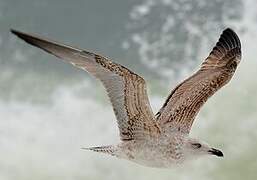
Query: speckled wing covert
(185, 101)
(126, 90)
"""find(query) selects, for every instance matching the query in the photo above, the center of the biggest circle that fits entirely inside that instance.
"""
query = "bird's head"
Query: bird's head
(194, 147)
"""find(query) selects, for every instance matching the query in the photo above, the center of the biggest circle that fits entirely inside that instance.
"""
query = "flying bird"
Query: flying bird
(162, 139)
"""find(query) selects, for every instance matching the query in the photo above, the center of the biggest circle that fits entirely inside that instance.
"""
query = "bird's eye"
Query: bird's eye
(196, 145)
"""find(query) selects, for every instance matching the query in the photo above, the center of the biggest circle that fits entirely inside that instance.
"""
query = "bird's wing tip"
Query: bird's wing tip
(14, 31)
(26, 37)
(230, 37)
(227, 42)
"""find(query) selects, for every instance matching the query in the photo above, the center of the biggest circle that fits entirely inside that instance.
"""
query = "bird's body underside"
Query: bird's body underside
(160, 140)
(161, 152)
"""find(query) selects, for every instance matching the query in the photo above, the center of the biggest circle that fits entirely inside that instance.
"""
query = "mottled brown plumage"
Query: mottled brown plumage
(159, 140)
(187, 98)
(126, 90)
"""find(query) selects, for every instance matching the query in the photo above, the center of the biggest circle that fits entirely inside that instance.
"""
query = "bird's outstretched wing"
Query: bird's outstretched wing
(126, 90)
(185, 101)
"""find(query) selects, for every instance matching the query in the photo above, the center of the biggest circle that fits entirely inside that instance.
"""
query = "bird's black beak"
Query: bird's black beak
(216, 152)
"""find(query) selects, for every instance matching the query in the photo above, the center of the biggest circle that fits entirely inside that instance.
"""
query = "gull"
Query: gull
(161, 140)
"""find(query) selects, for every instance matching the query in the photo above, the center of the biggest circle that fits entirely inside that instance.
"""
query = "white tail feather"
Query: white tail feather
(103, 149)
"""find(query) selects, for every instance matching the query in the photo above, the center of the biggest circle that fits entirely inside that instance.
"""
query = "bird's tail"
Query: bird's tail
(103, 149)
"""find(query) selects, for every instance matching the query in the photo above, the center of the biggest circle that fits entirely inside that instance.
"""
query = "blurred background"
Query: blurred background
(49, 109)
